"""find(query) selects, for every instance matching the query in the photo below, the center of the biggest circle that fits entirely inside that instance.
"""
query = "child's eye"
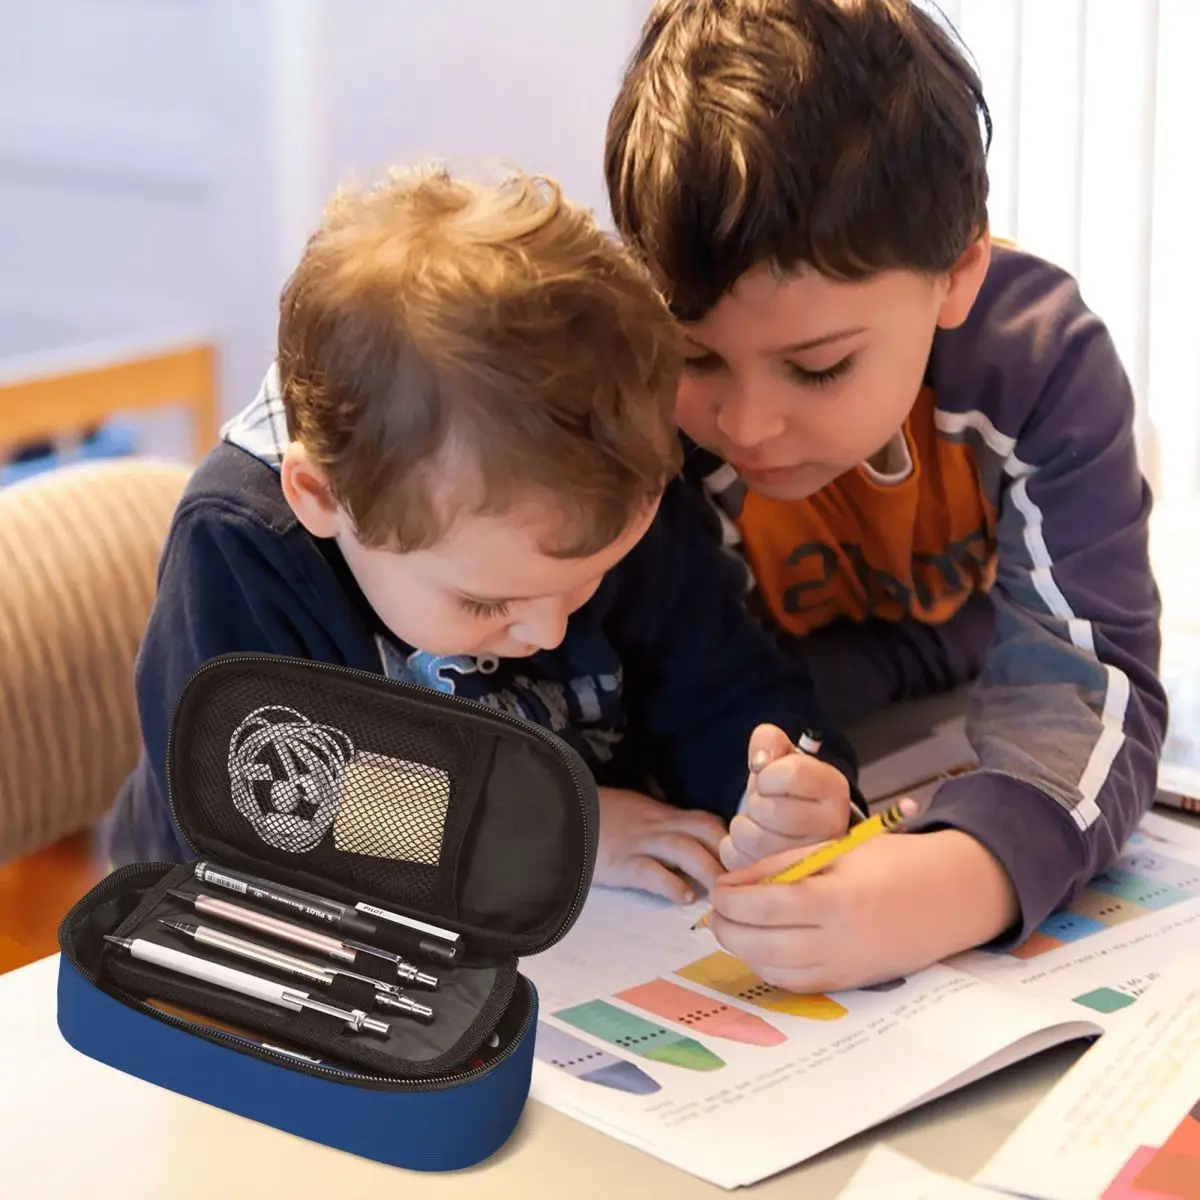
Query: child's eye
(702, 364)
(484, 608)
(824, 376)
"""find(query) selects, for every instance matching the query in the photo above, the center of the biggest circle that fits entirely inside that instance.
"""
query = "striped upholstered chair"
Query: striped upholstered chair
(79, 550)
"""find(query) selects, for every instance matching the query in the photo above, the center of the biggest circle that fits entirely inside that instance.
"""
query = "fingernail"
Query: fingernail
(760, 760)
(689, 897)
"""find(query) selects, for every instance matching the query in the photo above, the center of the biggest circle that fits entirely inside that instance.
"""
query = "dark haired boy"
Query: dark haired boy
(923, 442)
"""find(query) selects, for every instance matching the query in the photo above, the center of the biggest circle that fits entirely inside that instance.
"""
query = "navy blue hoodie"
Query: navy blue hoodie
(662, 674)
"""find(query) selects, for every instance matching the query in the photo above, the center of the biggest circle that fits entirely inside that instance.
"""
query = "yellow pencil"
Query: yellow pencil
(864, 831)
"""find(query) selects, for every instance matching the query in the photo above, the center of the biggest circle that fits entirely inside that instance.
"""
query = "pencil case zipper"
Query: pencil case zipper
(384, 1083)
(432, 699)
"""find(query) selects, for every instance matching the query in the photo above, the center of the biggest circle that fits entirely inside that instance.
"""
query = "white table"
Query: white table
(71, 1127)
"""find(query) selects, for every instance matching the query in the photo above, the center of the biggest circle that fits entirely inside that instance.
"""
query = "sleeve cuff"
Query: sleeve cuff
(1030, 835)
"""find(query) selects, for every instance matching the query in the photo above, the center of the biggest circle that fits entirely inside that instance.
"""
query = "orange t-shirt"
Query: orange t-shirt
(864, 548)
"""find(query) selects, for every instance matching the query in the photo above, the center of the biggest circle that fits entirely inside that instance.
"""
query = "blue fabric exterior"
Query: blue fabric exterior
(437, 1130)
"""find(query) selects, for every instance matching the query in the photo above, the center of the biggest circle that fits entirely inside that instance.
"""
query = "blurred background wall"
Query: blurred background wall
(161, 161)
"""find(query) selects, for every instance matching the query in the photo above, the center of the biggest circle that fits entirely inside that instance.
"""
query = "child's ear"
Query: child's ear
(965, 279)
(306, 489)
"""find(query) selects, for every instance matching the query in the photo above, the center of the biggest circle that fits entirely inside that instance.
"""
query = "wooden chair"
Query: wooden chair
(80, 548)
(76, 388)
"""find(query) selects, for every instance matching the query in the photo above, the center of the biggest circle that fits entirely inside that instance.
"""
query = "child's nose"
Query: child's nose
(747, 420)
(543, 624)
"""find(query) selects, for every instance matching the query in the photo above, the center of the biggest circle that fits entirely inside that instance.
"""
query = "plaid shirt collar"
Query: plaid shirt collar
(261, 428)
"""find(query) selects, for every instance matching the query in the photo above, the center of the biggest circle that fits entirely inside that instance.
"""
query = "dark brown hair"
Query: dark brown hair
(848, 135)
(444, 345)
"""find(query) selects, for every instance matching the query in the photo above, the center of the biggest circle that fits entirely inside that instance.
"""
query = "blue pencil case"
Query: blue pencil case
(375, 858)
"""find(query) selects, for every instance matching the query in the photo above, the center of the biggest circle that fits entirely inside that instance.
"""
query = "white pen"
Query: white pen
(244, 983)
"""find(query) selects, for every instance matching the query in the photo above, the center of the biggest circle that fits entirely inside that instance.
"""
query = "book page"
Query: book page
(887, 1175)
(1124, 1122)
(650, 1032)
(1111, 942)
(1115, 937)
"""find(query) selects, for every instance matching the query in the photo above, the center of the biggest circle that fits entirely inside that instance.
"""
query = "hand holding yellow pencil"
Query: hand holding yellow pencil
(864, 831)
(793, 797)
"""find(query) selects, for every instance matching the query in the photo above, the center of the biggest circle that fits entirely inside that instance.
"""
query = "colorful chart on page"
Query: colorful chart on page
(1106, 999)
(589, 1063)
(639, 1036)
(730, 976)
(1167, 1172)
(1143, 881)
(671, 1001)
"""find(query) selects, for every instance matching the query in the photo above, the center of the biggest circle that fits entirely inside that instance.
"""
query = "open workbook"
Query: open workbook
(651, 1033)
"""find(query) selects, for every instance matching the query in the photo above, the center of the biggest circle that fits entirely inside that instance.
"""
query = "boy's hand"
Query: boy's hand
(793, 800)
(656, 847)
(893, 906)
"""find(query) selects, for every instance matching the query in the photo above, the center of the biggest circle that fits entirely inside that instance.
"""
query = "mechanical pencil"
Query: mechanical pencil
(244, 983)
(386, 996)
(300, 935)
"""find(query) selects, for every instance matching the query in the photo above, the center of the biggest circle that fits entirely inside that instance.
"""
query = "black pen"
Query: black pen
(278, 895)
(442, 945)
(341, 950)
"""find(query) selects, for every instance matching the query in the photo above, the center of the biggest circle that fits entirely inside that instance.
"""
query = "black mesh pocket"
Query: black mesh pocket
(315, 773)
(295, 781)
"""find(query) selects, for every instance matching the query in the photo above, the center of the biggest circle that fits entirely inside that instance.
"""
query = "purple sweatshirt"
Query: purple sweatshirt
(1016, 480)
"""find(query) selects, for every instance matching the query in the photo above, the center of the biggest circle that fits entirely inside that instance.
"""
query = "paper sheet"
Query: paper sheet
(1117, 935)
(1110, 944)
(1124, 1122)
(887, 1175)
(653, 1034)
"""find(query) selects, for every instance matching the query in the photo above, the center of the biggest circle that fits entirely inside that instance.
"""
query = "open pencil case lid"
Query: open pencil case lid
(365, 790)
(350, 784)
